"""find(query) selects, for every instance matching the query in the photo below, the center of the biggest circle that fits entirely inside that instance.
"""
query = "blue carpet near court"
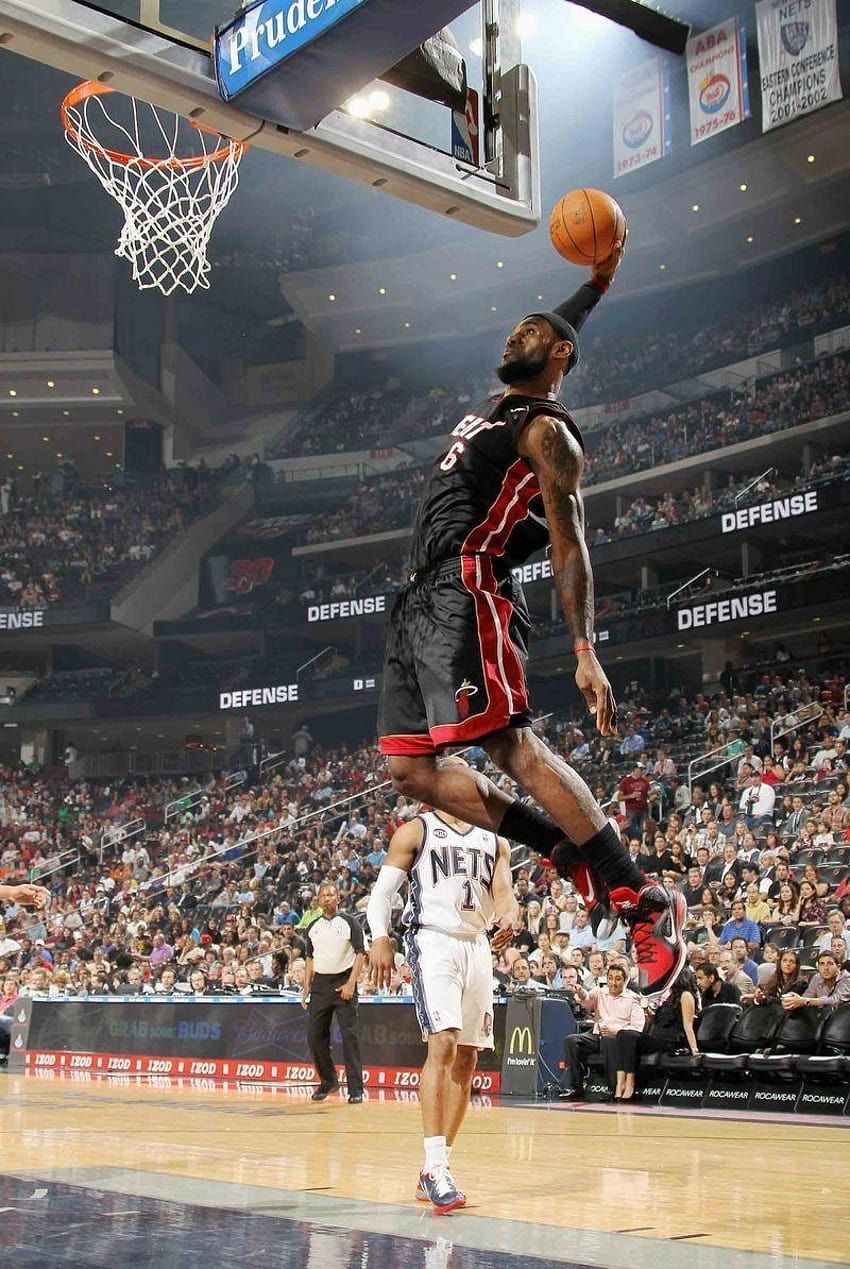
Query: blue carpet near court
(45, 1223)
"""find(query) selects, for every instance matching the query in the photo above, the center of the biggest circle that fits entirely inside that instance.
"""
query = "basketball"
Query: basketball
(585, 224)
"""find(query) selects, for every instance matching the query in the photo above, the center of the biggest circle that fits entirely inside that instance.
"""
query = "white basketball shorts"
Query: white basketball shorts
(452, 985)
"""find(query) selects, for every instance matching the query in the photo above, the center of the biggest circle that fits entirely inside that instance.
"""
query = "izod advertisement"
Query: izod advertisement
(263, 1039)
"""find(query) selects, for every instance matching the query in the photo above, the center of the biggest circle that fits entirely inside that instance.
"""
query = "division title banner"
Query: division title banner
(718, 90)
(798, 58)
(641, 118)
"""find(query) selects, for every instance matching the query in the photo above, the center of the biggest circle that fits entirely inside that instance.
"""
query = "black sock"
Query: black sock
(530, 827)
(609, 857)
(565, 856)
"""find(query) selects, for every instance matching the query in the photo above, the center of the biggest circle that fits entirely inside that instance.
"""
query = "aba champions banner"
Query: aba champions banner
(798, 56)
(718, 93)
(641, 132)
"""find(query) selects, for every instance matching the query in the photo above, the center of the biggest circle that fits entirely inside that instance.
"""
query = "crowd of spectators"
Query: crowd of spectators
(782, 401)
(215, 895)
(390, 410)
(71, 542)
(645, 515)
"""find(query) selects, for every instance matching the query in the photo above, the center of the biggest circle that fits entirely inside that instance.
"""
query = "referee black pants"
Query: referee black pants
(325, 1003)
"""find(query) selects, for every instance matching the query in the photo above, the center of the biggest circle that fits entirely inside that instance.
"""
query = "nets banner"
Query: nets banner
(640, 117)
(718, 92)
(798, 58)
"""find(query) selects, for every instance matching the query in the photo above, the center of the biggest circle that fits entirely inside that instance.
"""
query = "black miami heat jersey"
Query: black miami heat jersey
(481, 495)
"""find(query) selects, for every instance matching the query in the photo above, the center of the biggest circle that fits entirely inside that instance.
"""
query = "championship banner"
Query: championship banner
(640, 117)
(798, 58)
(718, 92)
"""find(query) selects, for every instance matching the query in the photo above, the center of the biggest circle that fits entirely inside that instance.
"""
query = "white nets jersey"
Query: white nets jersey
(451, 881)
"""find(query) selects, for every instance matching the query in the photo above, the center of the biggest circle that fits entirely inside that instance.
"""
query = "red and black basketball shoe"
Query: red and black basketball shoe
(655, 917)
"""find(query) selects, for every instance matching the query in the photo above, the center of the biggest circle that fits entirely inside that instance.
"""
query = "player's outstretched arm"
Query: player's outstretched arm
(558, 462)
(508, 915)
(582, 302)
(404, 844)
(29, 896)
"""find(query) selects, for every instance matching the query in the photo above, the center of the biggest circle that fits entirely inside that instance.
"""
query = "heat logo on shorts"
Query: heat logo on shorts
(714, 93)
(637, 130)
(463, 695)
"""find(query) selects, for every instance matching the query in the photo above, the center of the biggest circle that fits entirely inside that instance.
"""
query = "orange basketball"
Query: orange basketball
(585, 224)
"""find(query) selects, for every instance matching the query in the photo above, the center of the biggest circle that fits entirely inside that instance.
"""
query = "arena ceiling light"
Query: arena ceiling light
(649, 24)
(810, 158)
(798, 220)
(743, 187)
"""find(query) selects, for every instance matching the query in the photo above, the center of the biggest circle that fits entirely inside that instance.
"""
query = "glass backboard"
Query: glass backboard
(383, 137)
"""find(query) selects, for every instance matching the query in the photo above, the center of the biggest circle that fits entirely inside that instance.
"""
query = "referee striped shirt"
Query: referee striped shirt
(333, 944)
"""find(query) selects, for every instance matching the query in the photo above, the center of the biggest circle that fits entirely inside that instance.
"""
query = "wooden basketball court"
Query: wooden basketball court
(609, 1186)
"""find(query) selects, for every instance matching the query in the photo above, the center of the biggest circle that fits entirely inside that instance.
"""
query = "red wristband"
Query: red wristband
(583, 646)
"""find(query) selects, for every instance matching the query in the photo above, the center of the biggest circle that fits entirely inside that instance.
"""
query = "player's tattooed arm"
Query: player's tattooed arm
(558, 462)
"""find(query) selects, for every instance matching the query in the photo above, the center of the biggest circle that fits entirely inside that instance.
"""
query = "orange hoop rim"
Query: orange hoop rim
(93, 88)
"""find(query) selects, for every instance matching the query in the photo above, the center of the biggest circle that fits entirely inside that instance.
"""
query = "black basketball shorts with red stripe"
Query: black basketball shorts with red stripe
(456, 655)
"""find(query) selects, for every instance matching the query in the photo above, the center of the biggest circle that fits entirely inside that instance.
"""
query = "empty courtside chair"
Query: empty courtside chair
(798, 1035)
(833, 874)
(784, 936)
(840, 853)
(755, 1030)
(713, 1029)
(830, 1063)
(809, 855)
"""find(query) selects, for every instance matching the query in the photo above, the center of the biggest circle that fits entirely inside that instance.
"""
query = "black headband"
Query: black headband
(562, 328)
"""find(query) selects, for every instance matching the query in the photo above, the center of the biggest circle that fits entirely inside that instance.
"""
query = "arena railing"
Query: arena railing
(120, 833)
(187, 801)
(714, 766)
(334, 810)
(780, 727)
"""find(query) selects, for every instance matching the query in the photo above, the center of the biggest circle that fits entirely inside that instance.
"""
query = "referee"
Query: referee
(335, 954)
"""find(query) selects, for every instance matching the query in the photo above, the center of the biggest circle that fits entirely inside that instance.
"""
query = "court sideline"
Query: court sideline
(221, 1173)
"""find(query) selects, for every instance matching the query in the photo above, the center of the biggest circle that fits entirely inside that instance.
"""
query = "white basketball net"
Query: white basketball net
(171, 201)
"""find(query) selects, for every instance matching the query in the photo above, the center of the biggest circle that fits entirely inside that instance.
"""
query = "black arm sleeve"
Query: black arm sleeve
(579, 306)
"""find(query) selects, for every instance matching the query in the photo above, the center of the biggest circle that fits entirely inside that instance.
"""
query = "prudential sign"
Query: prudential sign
(268, 32)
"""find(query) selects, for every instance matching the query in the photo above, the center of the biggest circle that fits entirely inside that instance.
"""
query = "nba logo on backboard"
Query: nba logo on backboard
(465, 131)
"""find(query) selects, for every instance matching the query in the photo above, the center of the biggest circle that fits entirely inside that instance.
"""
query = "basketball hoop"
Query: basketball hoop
(170, 203)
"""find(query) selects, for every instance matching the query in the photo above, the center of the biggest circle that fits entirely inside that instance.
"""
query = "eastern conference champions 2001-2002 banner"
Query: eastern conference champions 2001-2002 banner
(798, 57)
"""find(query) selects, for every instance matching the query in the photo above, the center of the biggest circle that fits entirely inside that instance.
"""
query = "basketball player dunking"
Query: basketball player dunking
(454, 672)
(460, 885)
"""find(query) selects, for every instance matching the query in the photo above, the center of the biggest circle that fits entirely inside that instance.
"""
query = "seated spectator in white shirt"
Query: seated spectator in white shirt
(757, 802)
(836, 929)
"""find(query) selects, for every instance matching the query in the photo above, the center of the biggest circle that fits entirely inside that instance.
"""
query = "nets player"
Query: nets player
(460, 886)
(454, 671)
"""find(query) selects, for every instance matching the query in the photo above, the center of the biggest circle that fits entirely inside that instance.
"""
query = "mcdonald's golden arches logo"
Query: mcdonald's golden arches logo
(521, 1041)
